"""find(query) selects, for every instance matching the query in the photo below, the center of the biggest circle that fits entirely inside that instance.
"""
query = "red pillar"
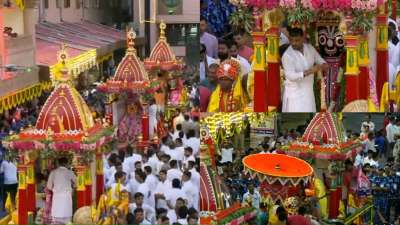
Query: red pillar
(352, 79)
(88, 185)
(99, 176)
(394, 10)
(22, 195)
(274, 78)
(363, 61)
(260, 75)
(382, 57)
(31, 187)
(80, 190)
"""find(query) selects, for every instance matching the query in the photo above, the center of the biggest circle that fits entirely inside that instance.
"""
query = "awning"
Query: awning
(87, 43)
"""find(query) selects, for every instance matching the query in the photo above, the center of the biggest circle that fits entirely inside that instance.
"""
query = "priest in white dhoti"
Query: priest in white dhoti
(61, 182)
(300, 62)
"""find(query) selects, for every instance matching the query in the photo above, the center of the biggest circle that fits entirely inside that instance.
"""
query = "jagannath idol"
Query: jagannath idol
(229, 96)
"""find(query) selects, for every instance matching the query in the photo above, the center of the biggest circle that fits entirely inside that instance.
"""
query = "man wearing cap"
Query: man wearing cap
(229, 95)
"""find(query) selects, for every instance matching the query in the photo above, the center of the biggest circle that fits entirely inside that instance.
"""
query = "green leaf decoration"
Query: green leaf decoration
(381, 35)
(362, 51)
(258, 55)
(351, 59)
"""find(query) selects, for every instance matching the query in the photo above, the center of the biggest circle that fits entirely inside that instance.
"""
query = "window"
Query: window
(67, 3)
(97, 3)
(181, 34)
(87, 4)
(170, 7)
(78, 4)
(58, 4)
(46, 4)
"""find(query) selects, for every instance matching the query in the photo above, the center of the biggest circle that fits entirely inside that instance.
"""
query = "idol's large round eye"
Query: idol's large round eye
(322, 40)
(339, 41)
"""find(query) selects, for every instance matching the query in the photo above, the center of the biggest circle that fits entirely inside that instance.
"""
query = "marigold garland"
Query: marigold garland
(21, 96)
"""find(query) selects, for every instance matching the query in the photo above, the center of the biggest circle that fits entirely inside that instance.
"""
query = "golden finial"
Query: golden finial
(130, 39)
(61, 75)
(163, 26)
(62, 54)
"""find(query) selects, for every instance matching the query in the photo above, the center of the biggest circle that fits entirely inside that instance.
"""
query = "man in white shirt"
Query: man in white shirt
(139, 217)
(144, 188)
(195, 175)
(193, 142)
(205, 61)
(253, 196)
(173, 213)
(119, 177)
(118, 168)
(163, 187)
(174, 172)
(299, 67)
(151, 179)
(244, 64)
(149, 212)
(61, 182)
(182, 215)
(176, 193)
(10, 180)
(191, 191)
(368, 123)
(393, 44)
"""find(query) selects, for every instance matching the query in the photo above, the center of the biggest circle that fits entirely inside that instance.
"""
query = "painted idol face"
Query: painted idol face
(330, 41)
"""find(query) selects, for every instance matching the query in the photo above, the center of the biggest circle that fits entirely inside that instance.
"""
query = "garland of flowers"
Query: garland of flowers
(239, 213)
(303, 11)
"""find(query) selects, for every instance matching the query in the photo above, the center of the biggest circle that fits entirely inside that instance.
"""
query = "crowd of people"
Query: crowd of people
(163, 183)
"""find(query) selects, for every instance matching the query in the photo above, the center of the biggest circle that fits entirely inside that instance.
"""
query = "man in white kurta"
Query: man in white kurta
(61, 182)
(300, 61)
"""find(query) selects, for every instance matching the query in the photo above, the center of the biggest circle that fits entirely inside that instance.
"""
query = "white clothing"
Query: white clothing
(226, 154)
(114, 194)
(392, 75)
(174, 194)
(283, 39)
(255, 198)
(151, 181)
(370, 124)
(299, 90)
(133, 186)
(152, 120)
(244, 65)
(148, 195)
(174, 174)
(145, 222)
(175, 155)
(371, 162)
(359, 160)
(203, 74)
(394, 54)
(182, 221)
(163, 188)
(391, 131)
(186, 160)
(60, 182)
(10, 172)
(192, 193)
(194, 143)
(153, 163)
(149, 212)
(164, 148)
(195, 178)
(173, 218)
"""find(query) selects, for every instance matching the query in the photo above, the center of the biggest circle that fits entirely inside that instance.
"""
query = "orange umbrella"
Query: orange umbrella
(278, 167)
